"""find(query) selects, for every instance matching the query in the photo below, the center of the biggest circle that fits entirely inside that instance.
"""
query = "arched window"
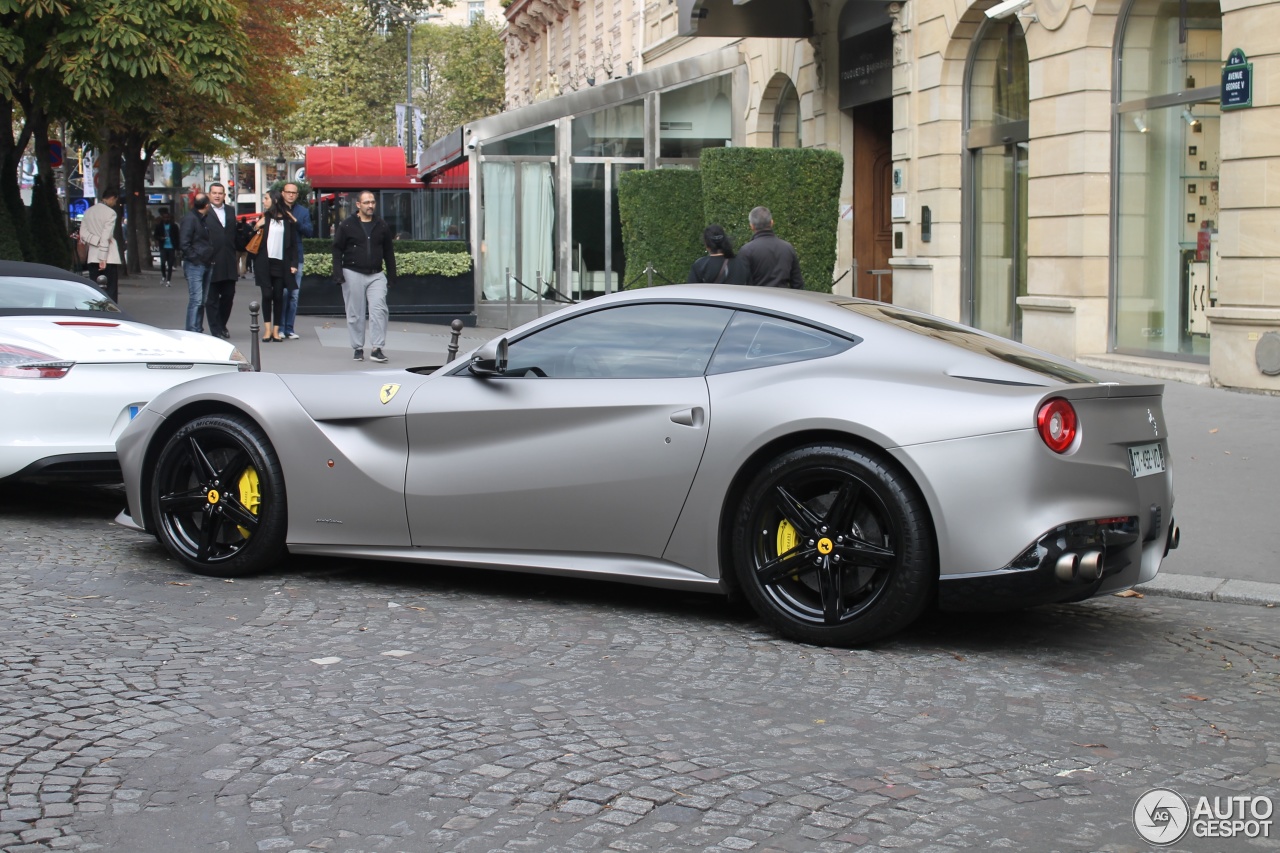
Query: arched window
(996, 139)
(1165, 177)
(780, 113)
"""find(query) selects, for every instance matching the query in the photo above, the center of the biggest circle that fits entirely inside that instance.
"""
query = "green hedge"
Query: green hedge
(407, 263)
(800, 186)
(316, 245)
(661, 212)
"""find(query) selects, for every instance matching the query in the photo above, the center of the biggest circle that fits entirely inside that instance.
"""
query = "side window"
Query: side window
(642, 341)
(757, 340)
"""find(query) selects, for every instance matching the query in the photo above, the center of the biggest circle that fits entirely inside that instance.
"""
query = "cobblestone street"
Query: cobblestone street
(367, 707)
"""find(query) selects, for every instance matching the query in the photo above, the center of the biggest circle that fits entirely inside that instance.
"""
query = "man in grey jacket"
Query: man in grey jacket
(771, 261)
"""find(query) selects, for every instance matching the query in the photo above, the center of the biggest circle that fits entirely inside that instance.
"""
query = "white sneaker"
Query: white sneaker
(293, 336)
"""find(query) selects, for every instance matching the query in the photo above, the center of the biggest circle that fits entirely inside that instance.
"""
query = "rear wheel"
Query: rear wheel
(218, 497)
(833, 546)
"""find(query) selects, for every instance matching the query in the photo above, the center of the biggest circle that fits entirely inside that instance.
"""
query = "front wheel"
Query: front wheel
(218, 497)
(833, 546)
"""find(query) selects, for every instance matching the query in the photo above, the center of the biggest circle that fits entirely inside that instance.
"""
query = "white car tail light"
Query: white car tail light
(1057, 424)
(22, 363)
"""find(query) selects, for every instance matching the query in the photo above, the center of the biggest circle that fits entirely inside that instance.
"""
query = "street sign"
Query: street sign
(1237, 82)
(55, 153)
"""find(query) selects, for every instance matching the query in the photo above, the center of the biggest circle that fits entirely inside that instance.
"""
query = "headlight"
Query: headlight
(242, 363)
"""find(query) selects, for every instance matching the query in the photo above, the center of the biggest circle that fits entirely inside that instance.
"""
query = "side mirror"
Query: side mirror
(490, 359)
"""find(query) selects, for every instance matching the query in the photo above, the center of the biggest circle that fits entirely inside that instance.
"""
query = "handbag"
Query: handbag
(255, 243)
(82, 249)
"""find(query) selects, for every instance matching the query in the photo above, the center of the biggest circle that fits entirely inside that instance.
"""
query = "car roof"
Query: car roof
(21, 269)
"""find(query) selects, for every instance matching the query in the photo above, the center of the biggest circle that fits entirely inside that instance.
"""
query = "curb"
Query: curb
(1213, 589)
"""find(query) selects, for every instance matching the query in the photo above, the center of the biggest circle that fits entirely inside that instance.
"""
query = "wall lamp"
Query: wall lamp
(1192, 121)
(1139, 123)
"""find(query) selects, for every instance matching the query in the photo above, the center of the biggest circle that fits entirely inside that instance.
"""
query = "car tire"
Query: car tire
(218, 497)
(834, 546)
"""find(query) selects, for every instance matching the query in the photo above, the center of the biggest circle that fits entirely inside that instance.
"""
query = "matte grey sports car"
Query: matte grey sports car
(839, 463)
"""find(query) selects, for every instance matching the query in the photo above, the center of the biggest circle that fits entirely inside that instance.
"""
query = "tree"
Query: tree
(462, 74)
(351, 77)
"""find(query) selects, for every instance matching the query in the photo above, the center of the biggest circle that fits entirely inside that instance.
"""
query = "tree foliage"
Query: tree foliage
(460, 74)
(352, 78)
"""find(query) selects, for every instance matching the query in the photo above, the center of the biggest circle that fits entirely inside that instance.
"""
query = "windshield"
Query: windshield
(22, 292)
(973, 340)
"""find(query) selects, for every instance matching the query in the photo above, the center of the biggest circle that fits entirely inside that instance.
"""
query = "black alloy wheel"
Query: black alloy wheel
(834, 546)
(218, 497)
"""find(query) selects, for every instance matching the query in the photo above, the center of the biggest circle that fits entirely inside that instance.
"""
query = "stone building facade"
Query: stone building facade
(1070, 173)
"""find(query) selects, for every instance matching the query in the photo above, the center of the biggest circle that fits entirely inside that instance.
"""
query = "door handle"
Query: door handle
(688, 417)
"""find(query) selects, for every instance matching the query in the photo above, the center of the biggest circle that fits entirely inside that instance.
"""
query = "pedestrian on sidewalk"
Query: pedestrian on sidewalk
(362, 245)
(98, 232)
(771, 261)
(165, 235)
(721, 265)
(197, 252)
(302, 222)
(275, 264)
(221, 291)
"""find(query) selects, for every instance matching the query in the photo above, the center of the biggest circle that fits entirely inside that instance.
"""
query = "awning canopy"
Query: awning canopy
(330, 167)
(456, 177)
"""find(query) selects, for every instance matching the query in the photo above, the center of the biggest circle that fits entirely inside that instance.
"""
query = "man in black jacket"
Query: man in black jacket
(771, 261)
(223, 268)
(361, 245)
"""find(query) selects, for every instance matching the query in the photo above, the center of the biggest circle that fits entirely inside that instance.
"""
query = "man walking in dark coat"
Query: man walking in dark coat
(771, 261)
(223, 272)
(362, 246)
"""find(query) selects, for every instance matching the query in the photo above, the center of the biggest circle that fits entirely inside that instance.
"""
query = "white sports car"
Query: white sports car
(74, 369)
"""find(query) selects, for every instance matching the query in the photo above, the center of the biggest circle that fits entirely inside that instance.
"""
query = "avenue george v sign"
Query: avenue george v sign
(1237, 82)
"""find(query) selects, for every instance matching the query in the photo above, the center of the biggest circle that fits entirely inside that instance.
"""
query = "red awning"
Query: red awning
(332, 168)
(456, 177)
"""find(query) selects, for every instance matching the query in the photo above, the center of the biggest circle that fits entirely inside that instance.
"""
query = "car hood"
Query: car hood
(107, 340)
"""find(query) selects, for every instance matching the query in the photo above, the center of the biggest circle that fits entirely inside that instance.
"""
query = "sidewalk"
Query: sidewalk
(1222, 443)
(323, 345)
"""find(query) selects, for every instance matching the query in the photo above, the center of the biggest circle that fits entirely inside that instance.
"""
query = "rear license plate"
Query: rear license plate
(1146, 459)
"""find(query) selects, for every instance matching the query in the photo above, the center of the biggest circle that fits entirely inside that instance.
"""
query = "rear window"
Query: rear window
(29, 293)
(759, 340)
(973, 340)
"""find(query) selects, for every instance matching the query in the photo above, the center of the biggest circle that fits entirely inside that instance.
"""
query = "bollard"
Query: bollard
(648, 271)
(102, 282)
(456, 325)
(538, 280)
(255, 346)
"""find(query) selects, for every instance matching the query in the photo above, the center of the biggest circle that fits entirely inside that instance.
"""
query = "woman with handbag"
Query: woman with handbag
(275, 246)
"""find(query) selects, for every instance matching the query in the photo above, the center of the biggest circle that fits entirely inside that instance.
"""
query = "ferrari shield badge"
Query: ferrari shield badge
(388, 391)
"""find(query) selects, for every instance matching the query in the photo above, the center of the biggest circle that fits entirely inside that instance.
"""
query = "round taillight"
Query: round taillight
(1057, 424)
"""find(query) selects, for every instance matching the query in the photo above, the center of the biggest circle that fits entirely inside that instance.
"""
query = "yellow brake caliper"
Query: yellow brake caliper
(786, 539)
(250, 495)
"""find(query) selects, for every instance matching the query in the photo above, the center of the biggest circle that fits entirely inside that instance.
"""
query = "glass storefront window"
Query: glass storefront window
(1164, 53)
(695, 117)
(519, 228)
(997, 136)
(540, 142)
(998, 92)
(613, 132)
(396, 207)
(1166, 195)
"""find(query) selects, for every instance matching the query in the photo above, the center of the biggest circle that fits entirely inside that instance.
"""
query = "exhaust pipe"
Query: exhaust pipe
(1067, 567)
(1174, 537)
(1091, 566)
